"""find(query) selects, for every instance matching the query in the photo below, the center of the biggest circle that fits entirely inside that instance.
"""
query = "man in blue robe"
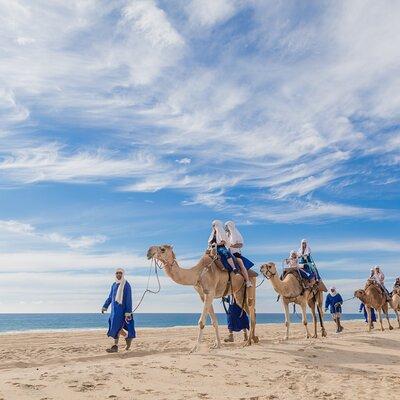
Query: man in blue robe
(334, 302)
(120, 298)
(237, 319)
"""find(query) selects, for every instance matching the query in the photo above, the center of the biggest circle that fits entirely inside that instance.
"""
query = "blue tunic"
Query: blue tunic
(334, 303)
(246, 262)
(373, 316)
(309, 267)
(224, 255)
(117, 317)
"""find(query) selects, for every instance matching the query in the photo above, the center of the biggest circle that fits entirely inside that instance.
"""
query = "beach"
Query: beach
(73, 365)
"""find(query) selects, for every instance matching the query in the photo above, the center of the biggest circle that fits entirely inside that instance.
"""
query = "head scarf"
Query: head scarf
(220, 235)
(120, 291)
(307, 250)
(234, 235)
(292, 254)
(333, 289)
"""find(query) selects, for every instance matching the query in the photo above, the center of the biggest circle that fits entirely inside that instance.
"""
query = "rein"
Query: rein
(157, 266)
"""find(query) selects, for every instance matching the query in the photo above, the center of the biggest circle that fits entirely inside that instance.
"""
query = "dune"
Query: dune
(74, 365)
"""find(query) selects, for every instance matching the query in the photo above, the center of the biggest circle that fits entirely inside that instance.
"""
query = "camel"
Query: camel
(395, 304)
(291, 291)
(372, 296)
(211, 282)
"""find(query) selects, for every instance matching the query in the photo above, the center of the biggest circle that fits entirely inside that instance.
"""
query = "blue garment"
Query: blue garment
(225, 254)
(236, 318)
(334, 303)
(247, 263)
(309, 267)
(117, 317)
(364, 309)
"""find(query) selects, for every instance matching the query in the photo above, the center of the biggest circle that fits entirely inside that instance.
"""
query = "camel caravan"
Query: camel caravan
(223, 272)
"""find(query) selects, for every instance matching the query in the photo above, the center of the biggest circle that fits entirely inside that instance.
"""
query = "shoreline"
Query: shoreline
(146, 328)
(74, 365)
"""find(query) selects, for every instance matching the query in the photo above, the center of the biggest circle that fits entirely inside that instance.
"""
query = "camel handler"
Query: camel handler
(237, 319)
(334, 302)
(120, 298)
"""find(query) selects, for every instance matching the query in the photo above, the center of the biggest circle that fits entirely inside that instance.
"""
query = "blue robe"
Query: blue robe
(236, 318)
(246, 262)
(117, 317)
(309, 267)
(373, 316)
(334, 303)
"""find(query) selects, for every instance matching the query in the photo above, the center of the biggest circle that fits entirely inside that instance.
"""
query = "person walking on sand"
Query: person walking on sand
(364, 310)
(334, 302)
(120, 298)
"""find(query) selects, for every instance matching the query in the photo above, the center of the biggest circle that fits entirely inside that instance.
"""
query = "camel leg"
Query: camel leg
(314, 317)
(202, 320)
(304, 318)
(369, 318)
(386, 311)
(245, 336)
(287, 319)
(380, 319)
(321, 314)
(214, 321)
(251, 304)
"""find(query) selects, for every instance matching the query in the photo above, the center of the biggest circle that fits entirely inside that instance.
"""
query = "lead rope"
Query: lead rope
(156, 267)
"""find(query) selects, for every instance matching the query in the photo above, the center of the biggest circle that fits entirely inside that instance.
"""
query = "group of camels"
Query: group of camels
(211, 281)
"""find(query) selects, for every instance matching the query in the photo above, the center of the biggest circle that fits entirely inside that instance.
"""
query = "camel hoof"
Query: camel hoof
(215, 346)
(194, 349)
(246, 344)
(323, 333)
(314, 336)
(256, 339)
(390, 328)
(286, 337)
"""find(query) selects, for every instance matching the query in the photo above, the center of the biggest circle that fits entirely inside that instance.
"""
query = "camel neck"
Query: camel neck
(184, 276)
(278, 285)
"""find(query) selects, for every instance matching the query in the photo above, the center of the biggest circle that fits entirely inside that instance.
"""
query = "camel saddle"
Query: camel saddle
(218, 262)
(378, 286)
(318, 286)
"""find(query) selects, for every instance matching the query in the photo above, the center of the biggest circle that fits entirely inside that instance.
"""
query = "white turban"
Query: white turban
(307, 250)
(120, 291)
(219, 232)
(234, 235)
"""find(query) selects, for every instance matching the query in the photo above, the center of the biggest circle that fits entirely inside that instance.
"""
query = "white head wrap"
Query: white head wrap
(220, 235)
(307, 249)
(120, 291)
(293, 253)
(234, 235)
(333, 289)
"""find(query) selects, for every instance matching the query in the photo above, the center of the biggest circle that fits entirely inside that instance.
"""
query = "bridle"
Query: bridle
(268, 274)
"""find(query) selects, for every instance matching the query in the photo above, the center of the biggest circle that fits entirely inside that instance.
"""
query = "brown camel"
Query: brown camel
(211, 282)
(372, 296)
(291, 291)
(395, 304)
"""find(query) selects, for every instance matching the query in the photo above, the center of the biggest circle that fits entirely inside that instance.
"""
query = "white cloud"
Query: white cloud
(24, 229)
(207, 13)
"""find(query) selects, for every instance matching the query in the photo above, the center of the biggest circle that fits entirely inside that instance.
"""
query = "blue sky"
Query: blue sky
(131, 123)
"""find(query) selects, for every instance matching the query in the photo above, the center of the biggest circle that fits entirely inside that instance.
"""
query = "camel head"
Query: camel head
(164, 254)
(360, 294)
(268, 270)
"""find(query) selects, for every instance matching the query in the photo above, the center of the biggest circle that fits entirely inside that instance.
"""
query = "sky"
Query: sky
(127, 124)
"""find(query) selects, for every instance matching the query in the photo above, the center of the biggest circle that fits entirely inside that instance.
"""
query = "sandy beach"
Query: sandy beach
(73, 365)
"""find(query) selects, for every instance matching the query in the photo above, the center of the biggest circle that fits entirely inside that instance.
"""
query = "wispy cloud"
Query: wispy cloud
(24, 229)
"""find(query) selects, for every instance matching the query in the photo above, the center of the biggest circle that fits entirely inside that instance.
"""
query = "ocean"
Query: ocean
(51, 322)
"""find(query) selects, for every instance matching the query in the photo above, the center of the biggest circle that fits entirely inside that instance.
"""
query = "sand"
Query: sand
(73, 365)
